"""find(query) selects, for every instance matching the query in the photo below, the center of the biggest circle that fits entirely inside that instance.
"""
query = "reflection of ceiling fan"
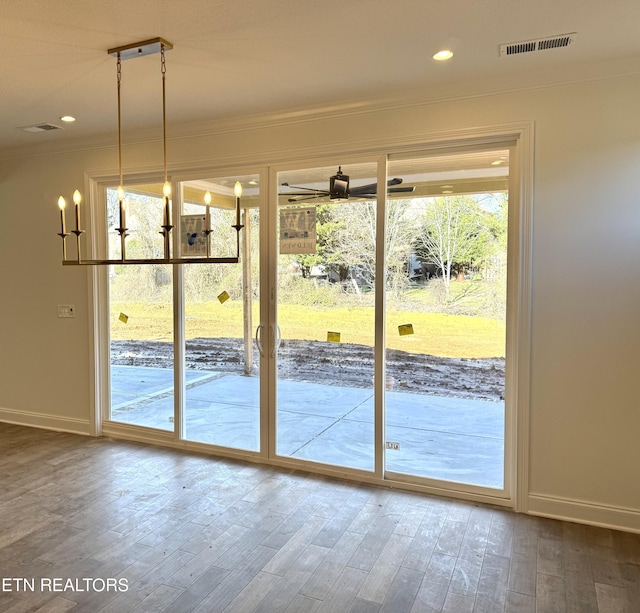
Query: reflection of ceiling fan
(339, 189)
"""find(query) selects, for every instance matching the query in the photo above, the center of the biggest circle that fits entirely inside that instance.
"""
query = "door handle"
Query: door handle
(259, 340)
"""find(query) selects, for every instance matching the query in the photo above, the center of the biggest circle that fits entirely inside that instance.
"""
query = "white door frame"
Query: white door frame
(519, 295)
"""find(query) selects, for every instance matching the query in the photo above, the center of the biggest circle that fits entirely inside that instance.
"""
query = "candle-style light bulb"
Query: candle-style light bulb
(166, 191)
(77, 199)
(207, 220)
(61, 205)
(120, 196)
(237, 190)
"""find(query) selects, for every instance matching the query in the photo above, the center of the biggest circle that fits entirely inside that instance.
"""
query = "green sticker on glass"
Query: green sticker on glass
(123, 318)
(223, 297)
(333, 337)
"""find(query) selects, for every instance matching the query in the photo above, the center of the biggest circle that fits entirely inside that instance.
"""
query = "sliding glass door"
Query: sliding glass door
(438, 333)
(221, 311)
(446, 318)
(363, 331)
(192, 324)
(140, 314)
(325, 316)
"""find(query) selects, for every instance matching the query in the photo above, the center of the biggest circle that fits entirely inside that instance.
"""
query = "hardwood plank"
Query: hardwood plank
(157, 600)
(550, 594)
(466, 574)
(410, 521)
(631, 575)
(430, 597)
(383, 572)
(363, 606)
(402, 592)
(550, 557)
(202, 561)
(607, 571)
(284, 559)
(500, 539)
(450, 539)
(580, 593)
(57, 605)
(613, 599)
(374, 541)
(322, 579)
(292, 582)
(457, 603)
(248, 599)
(198, 590)
(235, 582)
(425, 539)
(523, 574)
(493, 583)
(519, 603)
(344, 590)
(303, 603)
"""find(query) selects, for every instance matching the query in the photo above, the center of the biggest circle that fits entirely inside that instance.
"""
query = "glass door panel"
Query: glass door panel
(325, 315)
(445, 318)
(140, 314)
(222, 310)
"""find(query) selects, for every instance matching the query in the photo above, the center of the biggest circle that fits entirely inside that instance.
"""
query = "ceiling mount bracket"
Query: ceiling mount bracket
(145, 47)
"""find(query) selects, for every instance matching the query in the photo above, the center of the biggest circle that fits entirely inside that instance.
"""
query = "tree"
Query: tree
(455, 232)
(357, 241)
(329, 223)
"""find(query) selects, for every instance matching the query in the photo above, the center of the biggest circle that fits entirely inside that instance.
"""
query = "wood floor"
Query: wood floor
(184, 533)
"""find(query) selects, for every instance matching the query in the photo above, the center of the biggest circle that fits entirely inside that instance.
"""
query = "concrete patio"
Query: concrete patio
(444, 438)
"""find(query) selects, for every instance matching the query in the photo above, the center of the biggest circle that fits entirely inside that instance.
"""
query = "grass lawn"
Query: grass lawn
(434, 334)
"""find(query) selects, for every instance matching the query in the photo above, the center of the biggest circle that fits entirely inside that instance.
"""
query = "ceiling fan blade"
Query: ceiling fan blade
(315, 193)
(304, 198)
(308, 189)
(371, 188)
(400, 190)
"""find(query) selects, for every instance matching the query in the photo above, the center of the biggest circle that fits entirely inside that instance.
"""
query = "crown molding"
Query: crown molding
(274, 119)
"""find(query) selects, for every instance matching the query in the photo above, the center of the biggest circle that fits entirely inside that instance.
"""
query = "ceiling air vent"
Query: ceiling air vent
(42, 127)
(539, 44)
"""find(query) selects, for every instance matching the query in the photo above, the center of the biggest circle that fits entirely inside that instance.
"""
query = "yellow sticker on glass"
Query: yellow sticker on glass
(333, 337)
(223, 297)
(123, 318)
(405, 329)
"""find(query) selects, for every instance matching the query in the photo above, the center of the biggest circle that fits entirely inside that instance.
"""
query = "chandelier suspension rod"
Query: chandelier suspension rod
(163, 70)
(119, 78)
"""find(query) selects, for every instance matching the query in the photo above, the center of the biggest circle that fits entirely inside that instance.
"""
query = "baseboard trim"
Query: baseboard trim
(45, 421)
(584, 512)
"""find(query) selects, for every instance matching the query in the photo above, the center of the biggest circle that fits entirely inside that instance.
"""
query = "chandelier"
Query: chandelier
(147, 47)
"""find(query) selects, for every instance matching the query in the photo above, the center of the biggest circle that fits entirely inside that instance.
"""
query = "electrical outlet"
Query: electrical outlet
(66, 310)
(392, 445)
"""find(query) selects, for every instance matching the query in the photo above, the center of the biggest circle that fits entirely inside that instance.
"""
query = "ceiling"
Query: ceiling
(284, 57)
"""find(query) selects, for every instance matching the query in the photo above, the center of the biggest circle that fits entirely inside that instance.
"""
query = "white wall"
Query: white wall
(585, 412)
